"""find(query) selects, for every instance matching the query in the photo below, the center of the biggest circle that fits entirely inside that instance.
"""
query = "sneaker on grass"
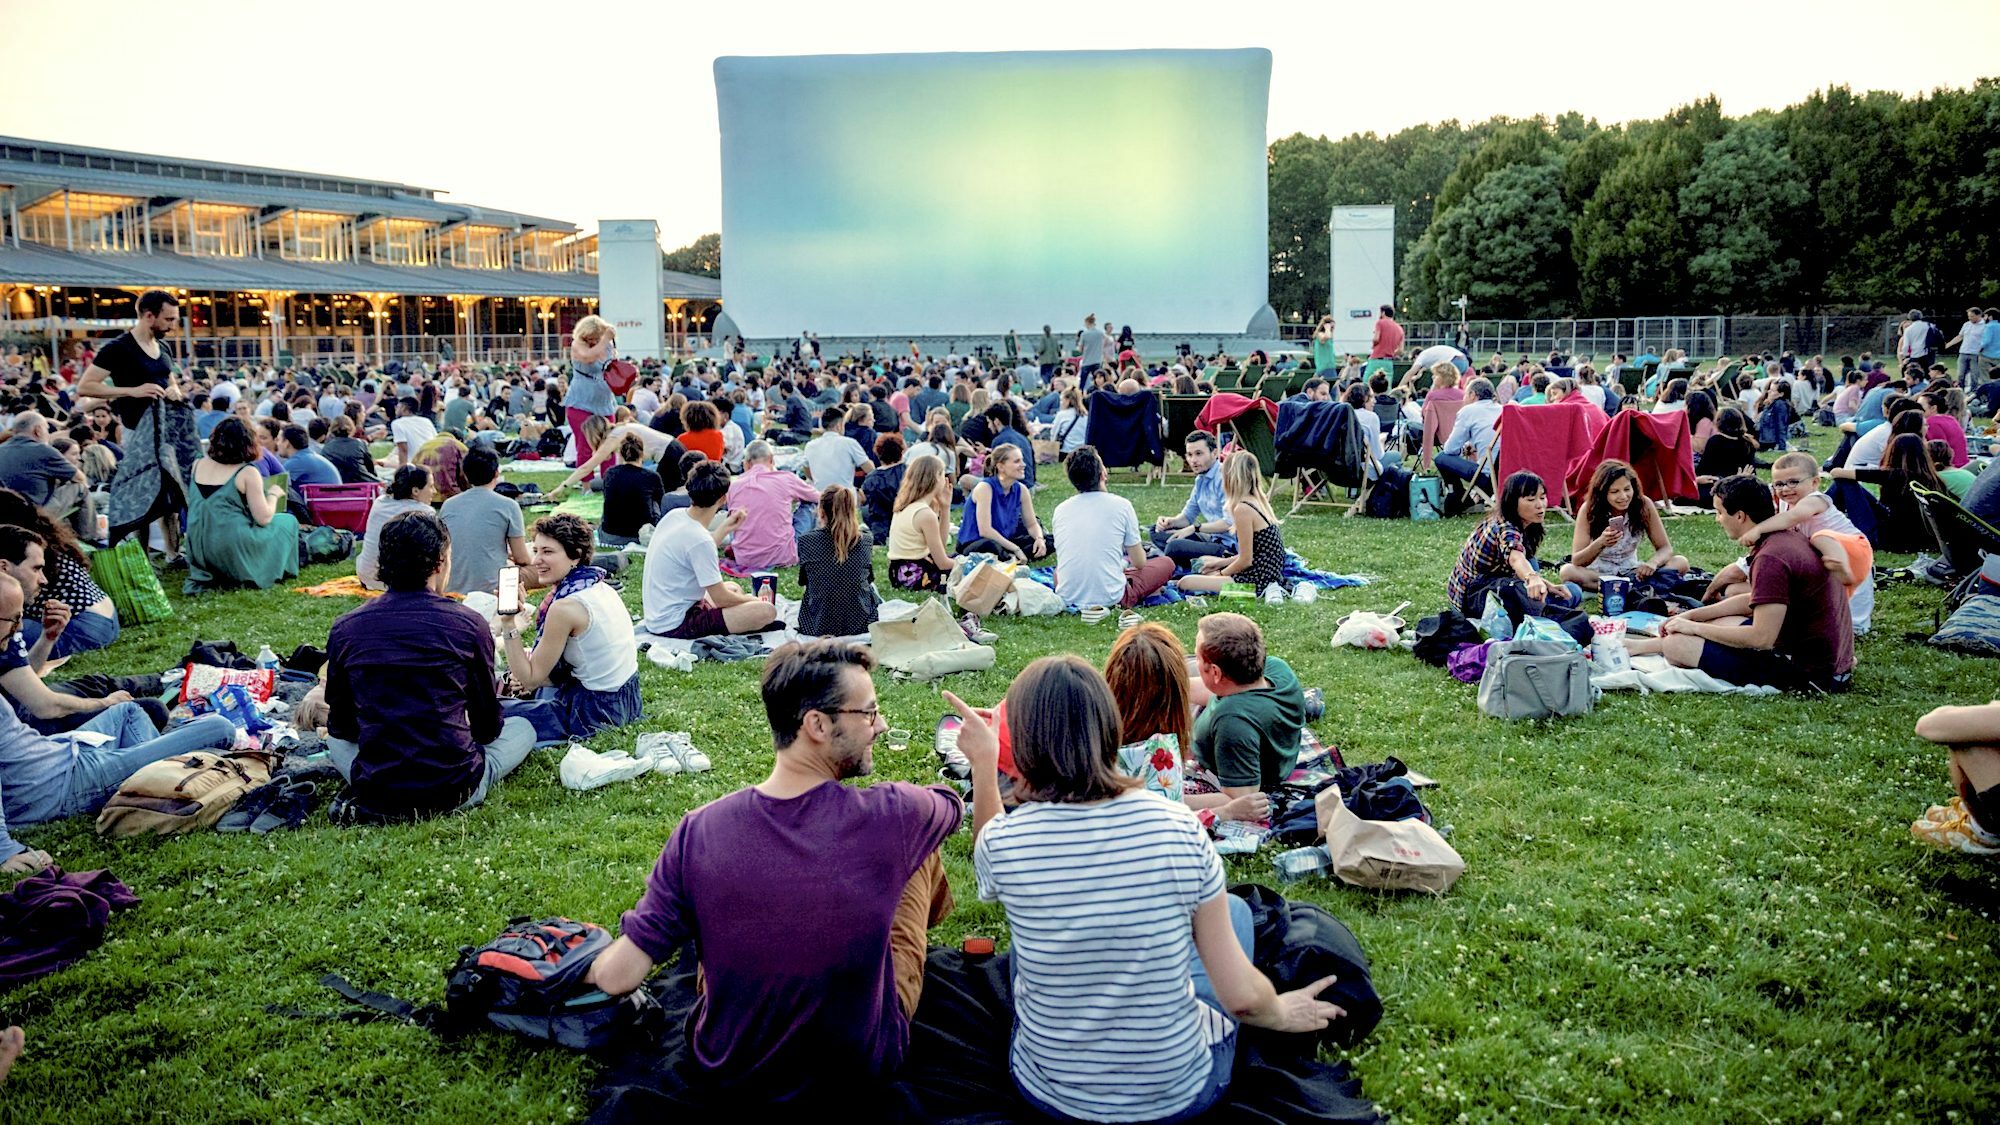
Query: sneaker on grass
(1956, 833)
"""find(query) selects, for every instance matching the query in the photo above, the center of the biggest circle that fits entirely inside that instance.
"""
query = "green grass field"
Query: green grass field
(1679, 908)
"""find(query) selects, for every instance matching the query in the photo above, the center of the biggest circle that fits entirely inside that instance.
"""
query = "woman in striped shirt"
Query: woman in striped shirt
(1110, 890)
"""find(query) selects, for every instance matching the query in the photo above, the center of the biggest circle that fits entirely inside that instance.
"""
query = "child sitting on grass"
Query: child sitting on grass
(1849, 557)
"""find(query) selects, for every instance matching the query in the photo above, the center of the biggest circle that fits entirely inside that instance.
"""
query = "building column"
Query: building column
(378, 313)
(464, 305)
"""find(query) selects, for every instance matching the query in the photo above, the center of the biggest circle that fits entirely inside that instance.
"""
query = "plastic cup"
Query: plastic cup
(899, 739)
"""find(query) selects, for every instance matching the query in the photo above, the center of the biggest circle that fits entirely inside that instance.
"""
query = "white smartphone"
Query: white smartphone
(510, 590)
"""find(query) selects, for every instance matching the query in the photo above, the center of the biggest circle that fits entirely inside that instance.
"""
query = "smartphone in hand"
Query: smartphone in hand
(510, 590)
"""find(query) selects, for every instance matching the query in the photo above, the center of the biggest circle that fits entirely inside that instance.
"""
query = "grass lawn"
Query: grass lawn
(1677, 908)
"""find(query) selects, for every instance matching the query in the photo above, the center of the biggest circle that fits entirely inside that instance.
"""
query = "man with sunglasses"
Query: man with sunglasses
(43, 777)
(804, 900)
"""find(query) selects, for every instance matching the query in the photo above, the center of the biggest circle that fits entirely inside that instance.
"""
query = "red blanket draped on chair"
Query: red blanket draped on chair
(1658, 446)
(1545, 440)
(1222, 406)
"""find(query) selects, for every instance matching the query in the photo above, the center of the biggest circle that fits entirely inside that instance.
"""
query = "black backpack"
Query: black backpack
(552, 442)
(529, 980)
(1390, 496)
(1440, 636)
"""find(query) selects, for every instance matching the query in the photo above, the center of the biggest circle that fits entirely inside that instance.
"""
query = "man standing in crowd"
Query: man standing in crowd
(787, 1010)
(1090, 349)
(1798, 635)
(1970, 342)
(1915, 343)
(412, 714)
(1203, 527)
(1387, 344)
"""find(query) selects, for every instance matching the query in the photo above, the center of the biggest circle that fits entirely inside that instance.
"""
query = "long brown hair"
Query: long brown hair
(1610, 472)
(1063, 724)
(1147, 672)
(921, 482)
(842, 520)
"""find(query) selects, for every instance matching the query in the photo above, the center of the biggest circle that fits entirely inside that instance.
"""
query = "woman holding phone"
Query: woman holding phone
(1615, 516)
(584, 669)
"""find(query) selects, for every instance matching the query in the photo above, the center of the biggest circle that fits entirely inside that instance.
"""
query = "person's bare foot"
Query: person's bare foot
(11, 1042)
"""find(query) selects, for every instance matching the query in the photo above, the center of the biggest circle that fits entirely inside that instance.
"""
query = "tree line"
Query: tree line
(1842, 202)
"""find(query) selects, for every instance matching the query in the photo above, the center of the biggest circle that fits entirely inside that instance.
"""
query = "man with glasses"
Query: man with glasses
(43, 778)
(804, 900)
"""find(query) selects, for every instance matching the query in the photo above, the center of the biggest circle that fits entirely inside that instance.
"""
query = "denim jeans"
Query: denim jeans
(503, 756)
(805, 517)
(560, 712)
(99, 770)
(86, 632)
(1188, 548)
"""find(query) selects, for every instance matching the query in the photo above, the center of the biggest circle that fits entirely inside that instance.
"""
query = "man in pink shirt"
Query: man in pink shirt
(767, 537)
(1388, 342)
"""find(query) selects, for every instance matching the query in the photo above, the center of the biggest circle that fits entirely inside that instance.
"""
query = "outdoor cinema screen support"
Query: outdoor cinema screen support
(933, 194)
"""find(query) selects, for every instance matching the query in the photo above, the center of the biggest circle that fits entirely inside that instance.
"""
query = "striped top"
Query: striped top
(1100, 899)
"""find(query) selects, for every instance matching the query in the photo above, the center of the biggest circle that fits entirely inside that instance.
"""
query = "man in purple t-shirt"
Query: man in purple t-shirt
(806, 900)
(1799, 635)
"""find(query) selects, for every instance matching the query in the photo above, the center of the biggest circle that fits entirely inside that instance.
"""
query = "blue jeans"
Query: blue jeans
(560, 712)
(1221, 1056)
(503, 756)
(86, 632)
(99, 770)
(805, 517)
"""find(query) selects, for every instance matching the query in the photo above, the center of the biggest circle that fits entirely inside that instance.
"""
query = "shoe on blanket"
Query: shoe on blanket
(1956, 833)
(289, 809)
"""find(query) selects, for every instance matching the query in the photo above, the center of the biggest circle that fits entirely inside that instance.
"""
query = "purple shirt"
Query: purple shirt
(410, 680)
(788, 903)
(765, 538)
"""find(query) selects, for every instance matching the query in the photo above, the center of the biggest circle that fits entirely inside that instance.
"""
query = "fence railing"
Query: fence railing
(1699, 336)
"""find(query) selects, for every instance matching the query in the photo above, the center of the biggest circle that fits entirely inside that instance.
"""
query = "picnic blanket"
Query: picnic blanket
(1658, 446)
(585, 505)
(347, 586)
(956, 1067)
(1652, 673)
(1223, 405)
(1546, 440)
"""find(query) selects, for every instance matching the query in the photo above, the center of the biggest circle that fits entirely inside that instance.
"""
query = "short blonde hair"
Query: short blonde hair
(591, 329)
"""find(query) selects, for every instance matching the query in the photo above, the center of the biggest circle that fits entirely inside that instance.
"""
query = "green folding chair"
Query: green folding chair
(1252, 431)
(1178, 413)
(1229, 379)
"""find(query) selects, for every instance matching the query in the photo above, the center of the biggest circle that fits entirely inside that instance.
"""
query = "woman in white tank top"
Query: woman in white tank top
(584, 669)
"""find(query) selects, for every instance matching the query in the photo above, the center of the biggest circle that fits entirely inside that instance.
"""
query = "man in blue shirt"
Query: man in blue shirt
(43, 777)
(206, 416)
(1472, 436)
(304, 464)
(1203, 527)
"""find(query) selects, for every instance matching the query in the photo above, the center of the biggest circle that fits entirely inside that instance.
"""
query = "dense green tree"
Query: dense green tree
(1506, 246)
(702, 257)
(1743, 212)
(1299, 169)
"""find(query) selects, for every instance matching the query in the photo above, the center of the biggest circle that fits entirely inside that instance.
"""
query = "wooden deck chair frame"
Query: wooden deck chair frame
(1488, 465)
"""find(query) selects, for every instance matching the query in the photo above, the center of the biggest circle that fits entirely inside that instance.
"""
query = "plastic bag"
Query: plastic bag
(1493, 620)
(1607, 650)
(1365, 629)
(1542, 629)
(1032, 599)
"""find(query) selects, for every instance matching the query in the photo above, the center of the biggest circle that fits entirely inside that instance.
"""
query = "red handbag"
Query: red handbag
(620, 374)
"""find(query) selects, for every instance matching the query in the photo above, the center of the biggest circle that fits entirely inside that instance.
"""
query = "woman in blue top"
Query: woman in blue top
(1000, 512)
(590, 351)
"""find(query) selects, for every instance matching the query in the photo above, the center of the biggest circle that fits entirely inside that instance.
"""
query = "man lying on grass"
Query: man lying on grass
(1797, 635)
(806, 901)
(43, 778)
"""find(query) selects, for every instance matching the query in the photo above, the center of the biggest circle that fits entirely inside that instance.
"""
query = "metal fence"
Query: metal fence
(1700, 336)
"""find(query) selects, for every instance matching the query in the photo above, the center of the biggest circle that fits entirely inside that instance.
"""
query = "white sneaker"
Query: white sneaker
(656, 749)
(681, 746)
(583, 768)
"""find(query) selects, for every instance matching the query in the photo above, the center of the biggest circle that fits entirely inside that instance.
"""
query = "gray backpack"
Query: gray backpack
(1535, 680)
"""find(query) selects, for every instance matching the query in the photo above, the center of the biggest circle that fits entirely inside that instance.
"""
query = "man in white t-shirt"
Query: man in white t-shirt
(224, 394)
(1971, 339)
(833, 457)
(685, 595)
(1915, 343)
(646, 400)
(410, 430)
(1090, 345)
(1099, 561)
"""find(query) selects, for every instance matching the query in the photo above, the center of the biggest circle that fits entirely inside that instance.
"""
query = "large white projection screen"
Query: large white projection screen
(933, 194)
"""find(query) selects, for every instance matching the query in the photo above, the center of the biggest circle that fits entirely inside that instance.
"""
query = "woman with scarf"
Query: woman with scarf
(584, 669)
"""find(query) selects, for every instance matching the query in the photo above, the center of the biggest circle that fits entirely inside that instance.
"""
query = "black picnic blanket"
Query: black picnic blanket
(956, 1068)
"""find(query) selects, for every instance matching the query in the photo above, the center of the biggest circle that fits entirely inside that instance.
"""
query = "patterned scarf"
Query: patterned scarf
(580, 579)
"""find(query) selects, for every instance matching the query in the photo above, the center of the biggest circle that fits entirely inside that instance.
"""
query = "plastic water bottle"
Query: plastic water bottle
(267, 659)
(1301, 863)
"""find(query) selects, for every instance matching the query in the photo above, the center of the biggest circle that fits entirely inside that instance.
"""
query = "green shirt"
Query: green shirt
(1958, 481)
(456, 412)
(1251, 739)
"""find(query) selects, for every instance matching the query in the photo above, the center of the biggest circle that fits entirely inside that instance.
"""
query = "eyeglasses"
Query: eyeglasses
(1787, 483)
(872, 713)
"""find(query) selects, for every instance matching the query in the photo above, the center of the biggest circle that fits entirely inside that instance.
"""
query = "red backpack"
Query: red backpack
(620, 375)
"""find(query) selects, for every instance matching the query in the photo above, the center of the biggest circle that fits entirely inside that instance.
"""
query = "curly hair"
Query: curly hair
(230, 443)
(569, 532)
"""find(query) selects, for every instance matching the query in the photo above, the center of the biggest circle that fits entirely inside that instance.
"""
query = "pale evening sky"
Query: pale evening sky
(598, 109)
